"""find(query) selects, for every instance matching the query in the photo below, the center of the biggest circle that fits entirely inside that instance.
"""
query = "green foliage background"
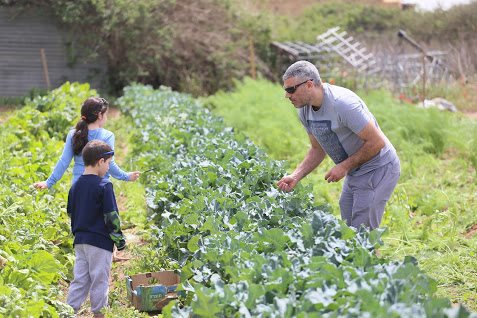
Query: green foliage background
(197, 46)
(200, 46)
(378, 22)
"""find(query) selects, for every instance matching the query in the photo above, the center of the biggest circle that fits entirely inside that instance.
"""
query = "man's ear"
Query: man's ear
(101, 161)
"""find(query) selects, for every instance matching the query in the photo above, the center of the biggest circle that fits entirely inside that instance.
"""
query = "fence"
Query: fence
(337, 52)
(23, 38)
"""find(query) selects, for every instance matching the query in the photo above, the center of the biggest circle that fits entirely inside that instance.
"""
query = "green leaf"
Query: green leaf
(44, 267)
(207, 304)
(38, 308)
(193, 244)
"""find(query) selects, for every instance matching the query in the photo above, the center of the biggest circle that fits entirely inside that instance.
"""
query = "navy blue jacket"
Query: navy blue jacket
(94, 213)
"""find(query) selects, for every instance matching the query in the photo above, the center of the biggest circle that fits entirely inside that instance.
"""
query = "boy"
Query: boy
(96, 227)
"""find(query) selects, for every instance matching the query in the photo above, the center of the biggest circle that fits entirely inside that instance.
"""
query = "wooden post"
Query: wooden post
(423, 77)
(45, 67)
(403, 35)
(253, 70)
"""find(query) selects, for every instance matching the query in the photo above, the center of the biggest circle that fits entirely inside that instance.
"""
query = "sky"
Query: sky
(433, 4)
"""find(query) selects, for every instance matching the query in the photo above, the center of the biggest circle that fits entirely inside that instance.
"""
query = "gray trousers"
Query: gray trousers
(91, 274)
(364, 197)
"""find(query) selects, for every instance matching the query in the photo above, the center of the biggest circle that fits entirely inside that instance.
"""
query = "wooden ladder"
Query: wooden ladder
(352, 51)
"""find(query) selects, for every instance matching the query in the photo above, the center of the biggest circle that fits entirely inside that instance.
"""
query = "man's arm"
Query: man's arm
(313, 158)
(374, 141)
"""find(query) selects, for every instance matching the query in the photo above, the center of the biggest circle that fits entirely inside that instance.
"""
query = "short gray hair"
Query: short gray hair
(304, 70)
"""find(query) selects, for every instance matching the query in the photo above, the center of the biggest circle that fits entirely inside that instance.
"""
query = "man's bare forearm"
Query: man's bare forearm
(312, 160)
(374, 140)
(363, 155)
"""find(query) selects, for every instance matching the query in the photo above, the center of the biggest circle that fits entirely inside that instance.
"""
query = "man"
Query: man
(340, 125)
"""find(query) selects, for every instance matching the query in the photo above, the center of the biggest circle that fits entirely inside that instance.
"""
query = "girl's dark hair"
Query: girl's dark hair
(89, 114)
(94, 150)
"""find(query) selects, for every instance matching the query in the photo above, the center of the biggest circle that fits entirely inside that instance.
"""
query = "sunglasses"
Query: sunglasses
(292, 89)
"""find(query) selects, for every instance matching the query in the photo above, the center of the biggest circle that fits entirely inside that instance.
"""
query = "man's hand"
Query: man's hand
(40, 185)
(287, 183)
(313, 158)
(336, 173)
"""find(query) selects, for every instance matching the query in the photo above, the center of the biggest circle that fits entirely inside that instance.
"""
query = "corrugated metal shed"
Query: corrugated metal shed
(22, 36)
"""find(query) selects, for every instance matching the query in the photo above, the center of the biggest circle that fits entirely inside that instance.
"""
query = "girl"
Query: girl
(90, 127)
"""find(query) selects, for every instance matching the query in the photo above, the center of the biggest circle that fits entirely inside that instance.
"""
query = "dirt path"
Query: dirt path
(114, 113)
(122, 260)
(471, 115)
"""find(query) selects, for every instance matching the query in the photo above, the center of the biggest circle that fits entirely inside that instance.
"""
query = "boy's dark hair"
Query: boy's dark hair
(95, 150)
(90, 111)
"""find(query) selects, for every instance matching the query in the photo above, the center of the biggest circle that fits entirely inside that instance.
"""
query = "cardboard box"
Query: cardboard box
(152, 291)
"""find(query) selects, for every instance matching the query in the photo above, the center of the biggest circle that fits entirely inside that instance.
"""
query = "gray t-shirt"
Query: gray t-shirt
(336, 124)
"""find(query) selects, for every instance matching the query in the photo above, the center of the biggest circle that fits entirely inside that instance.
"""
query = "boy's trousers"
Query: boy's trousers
(91, 274)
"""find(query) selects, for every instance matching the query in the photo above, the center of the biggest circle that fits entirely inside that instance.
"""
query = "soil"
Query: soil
(471, 232)
(471, 114)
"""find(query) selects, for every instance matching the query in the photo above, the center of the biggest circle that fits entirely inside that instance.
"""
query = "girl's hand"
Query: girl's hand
(134, 175)
(40, 185)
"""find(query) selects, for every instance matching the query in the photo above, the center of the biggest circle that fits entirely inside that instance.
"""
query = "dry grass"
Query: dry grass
(295, 8)
(462, 95)
(5, 111)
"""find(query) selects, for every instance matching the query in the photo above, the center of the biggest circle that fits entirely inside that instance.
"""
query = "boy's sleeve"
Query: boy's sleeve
(111, 217)
(69, 205)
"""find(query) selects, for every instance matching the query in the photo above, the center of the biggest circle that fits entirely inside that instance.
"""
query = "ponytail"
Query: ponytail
(80, 136)
(89, 114)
